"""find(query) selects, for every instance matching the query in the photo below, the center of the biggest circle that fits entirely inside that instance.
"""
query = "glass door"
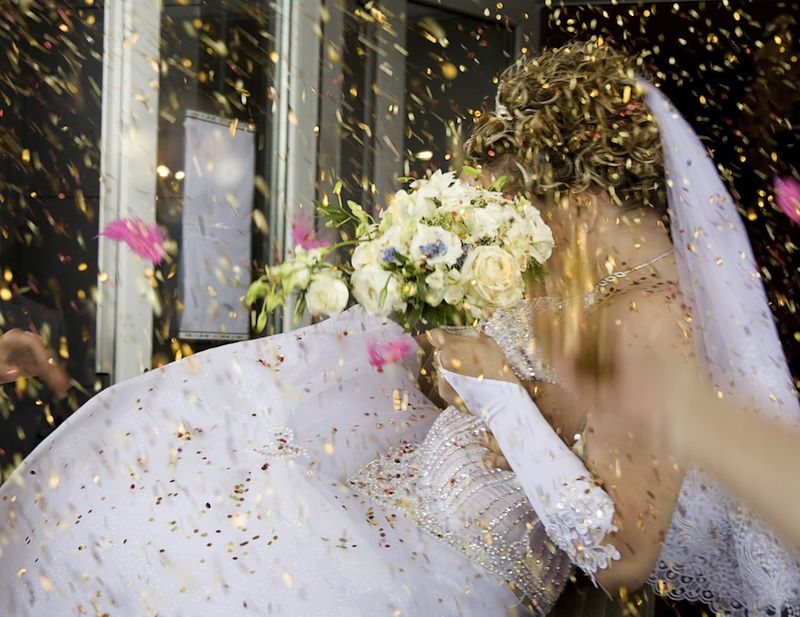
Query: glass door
(215, 154)
(50, 116)
(401, 82)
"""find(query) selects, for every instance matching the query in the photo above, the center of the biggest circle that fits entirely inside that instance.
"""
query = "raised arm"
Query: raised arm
(752, 455)
(576, 512)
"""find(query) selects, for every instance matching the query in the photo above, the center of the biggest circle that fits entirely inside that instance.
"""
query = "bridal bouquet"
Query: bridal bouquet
(444, 253)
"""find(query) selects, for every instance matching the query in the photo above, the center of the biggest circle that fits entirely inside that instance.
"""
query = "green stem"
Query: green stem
(342, 244)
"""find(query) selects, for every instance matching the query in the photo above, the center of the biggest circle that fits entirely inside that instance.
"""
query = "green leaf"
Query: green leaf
(535, 273)
(256, 290)
(300, 307)
(273, 301)
(471, 171)
(261, 323)
(413, 316)
(422, 286)
(498, 184)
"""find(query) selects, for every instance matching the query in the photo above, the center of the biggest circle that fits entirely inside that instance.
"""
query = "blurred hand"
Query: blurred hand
(24, 354)
(610, 366)
(475, 356)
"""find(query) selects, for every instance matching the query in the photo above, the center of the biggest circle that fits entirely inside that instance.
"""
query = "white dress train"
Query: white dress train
(217, 485)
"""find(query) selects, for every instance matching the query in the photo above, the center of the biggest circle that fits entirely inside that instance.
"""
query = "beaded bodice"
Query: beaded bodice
(444, 484)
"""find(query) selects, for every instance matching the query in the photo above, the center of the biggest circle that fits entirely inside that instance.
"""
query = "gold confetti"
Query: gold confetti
(46, 583)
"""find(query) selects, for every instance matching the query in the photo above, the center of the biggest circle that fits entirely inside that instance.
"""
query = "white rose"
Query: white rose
(326, 295)
(434, 245)
(492, 278)
(366, 254)
(486, 222)
(370, 283)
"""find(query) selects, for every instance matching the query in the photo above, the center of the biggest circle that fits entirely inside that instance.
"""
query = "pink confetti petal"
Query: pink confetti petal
(787, 196)
(147, 241)
(382, 353)
(304, 235)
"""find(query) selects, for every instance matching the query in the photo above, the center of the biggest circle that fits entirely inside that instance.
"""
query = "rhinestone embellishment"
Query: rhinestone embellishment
(281, 444)
(444, 486)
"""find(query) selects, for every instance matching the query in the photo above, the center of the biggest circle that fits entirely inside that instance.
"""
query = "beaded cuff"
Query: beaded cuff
(579, 523)
(512, 330)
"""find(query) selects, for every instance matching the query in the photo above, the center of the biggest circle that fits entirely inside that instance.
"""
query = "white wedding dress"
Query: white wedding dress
(228, 484)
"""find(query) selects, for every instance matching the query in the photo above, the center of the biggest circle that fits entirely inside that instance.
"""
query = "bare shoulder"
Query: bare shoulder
(650, 320)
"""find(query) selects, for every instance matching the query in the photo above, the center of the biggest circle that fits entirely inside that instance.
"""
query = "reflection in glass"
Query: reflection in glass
(217, 91)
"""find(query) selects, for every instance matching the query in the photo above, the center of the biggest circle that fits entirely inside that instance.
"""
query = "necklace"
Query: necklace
(604, 282)
(622, 274)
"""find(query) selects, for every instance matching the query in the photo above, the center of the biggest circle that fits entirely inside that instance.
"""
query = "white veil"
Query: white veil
(717, 552)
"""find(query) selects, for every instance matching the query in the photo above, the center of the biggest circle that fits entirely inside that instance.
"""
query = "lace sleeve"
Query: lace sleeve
(576, 513)
(578, 522)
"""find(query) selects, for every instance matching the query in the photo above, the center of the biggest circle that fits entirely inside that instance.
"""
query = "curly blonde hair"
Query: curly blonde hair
(570, 120)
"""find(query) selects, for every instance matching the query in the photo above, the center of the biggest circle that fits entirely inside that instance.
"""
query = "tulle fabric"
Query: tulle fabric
(217, 486)
(717, 551)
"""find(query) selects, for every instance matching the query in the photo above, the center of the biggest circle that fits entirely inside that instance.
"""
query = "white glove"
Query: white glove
(576, 513)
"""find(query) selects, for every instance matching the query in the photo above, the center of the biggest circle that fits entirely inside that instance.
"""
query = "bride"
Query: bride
(676, 287)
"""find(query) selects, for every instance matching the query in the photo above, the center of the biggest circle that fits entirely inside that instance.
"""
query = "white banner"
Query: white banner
(216, 243)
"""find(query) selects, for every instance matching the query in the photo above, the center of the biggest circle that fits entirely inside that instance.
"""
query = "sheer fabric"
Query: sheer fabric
(445, 486)
(716, 550)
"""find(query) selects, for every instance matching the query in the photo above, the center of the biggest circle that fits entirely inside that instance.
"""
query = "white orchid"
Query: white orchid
(405, 205)
(529, 237)
(437, 186)
(486, 222)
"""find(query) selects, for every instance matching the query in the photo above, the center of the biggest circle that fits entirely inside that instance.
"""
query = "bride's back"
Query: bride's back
(645, 324)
